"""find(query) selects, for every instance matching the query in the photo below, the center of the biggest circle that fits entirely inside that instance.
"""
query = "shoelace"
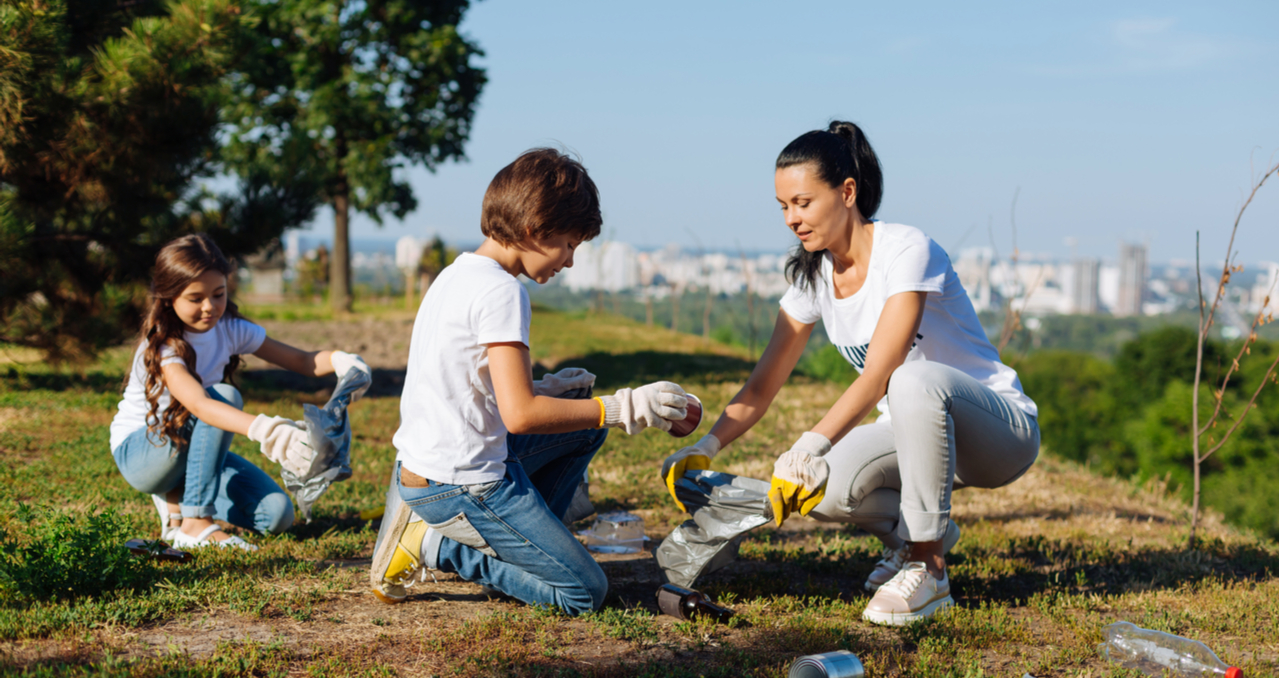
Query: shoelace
(907, 580)
(893, 558)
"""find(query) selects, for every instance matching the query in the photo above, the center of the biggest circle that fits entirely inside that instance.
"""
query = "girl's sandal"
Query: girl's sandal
(182, 540)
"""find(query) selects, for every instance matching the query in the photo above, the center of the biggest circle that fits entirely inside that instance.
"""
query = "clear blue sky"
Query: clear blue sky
(1115, 120)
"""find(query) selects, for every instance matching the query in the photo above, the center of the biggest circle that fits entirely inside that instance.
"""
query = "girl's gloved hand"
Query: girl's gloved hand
(568, 379)
(633, 410)
(344, 362)
(283, 442)
(799, 477)
(696, 457)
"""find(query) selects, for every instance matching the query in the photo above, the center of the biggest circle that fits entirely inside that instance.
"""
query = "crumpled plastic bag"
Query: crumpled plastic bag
(724, 507)
(330, 432)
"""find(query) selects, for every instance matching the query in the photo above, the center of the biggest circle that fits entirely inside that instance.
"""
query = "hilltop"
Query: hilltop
(1042, 566)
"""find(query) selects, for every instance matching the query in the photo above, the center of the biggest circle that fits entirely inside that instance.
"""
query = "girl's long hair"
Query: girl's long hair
(840, 152)
(178, 264)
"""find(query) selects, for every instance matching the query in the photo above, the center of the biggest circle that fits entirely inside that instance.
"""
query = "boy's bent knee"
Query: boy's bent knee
(589, 597)
(275, 513)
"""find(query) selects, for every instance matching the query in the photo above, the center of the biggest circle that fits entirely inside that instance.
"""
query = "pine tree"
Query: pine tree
(108, 117)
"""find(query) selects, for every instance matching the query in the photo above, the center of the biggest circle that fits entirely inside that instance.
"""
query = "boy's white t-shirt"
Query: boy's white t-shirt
(214, 348)
(904, 259)
(450, 429)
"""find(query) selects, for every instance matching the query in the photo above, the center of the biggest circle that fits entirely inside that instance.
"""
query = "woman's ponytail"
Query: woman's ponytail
(838, 153)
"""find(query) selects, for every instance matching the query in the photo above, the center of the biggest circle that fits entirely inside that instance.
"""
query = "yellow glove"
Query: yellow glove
(696, 457)
(799, 477)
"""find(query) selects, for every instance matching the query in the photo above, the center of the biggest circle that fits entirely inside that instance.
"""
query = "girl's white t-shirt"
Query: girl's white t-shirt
(213, 348)
(450, 429)
(904, 259)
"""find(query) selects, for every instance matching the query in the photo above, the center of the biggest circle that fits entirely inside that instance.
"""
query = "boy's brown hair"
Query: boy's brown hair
(542, 194)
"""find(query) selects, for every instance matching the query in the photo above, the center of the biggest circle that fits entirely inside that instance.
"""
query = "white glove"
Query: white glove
(633, 410)
(568, 379)
(344, 362)
(803, 463)
(283, 442)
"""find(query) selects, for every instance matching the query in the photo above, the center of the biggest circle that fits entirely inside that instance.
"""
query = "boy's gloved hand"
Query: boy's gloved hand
(568, 379)
(696, 457)
(799, 477)
(633, 410)
(283, 442)
(344, 362)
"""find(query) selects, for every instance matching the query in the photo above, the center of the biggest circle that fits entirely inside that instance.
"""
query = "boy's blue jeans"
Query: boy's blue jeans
(507, 534)
(217, 483)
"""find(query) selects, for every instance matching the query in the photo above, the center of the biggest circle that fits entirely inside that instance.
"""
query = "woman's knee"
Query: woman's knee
(228, 394)
(912, 380)
(274, 514)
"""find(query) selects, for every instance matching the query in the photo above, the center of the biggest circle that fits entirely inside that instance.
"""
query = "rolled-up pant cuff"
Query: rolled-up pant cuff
(198, 511)
(919, 526)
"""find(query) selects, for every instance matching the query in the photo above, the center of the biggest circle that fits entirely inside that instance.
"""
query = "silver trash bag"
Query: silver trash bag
(724, 507)
(330, 432)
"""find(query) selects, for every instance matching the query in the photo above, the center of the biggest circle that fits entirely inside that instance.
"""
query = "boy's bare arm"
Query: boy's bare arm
(524, 412)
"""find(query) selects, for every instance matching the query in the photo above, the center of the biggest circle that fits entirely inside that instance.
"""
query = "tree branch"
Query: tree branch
(1245, 413)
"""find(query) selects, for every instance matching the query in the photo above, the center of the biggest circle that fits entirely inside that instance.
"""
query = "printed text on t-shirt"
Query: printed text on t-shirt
(857, 355)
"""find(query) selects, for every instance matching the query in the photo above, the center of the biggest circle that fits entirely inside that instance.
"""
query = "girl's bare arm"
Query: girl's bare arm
(186, 390)
(309, 363)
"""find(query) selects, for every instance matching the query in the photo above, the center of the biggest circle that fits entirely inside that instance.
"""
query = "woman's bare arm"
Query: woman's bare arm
(890, 343)
(786, 345)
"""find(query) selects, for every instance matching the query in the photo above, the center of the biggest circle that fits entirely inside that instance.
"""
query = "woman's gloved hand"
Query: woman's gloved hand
(283, 442)
(799, 477)
(633, 410)
(568, 379)
(696, 457)
(344, 362)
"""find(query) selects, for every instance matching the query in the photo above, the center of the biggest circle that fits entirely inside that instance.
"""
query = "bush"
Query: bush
(64, 555)
(827, 364)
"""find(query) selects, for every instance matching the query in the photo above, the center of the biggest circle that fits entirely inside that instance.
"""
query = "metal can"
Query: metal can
(837, 664)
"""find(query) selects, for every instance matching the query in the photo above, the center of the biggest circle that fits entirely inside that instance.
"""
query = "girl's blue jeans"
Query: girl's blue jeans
(217, 483)
(507, 534)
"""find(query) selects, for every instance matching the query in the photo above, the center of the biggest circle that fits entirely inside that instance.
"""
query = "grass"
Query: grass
(1043, 564)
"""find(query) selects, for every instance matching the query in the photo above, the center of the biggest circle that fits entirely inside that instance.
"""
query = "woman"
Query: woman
(895, 309)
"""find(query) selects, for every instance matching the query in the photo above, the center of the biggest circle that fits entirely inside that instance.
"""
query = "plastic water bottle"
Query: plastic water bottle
(1155, 652)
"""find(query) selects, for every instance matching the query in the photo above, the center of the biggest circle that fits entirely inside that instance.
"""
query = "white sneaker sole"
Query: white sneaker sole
(949, 540)
(904, 618)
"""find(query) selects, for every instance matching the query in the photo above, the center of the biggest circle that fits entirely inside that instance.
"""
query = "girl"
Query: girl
(895, 309)
(179, 412)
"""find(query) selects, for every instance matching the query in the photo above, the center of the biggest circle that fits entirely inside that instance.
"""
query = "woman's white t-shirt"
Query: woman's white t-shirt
(904, 259)
(213, 348)
(450, 429)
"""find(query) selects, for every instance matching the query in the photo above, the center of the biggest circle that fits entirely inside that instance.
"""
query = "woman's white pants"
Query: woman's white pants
(894, 479)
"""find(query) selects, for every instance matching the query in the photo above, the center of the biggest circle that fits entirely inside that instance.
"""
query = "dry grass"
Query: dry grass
(1042, 566)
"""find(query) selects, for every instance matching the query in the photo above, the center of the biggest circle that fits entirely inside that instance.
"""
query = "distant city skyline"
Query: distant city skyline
(1111, 121)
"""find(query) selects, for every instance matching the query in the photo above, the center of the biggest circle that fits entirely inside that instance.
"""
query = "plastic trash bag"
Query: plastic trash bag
(330, 432)
(724, 507)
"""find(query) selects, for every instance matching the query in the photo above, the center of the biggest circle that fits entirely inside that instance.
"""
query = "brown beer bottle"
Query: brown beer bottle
(683, 603)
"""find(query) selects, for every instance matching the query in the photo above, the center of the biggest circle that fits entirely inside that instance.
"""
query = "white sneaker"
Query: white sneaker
(891, 560)
(162, 507)
(181, 540)
(911, 595)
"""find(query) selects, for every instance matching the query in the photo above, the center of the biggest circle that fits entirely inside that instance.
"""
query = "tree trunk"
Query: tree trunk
(675, 308)
(706, 316)
(340, 264)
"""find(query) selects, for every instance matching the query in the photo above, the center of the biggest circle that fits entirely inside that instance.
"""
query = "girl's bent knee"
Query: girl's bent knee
(229, 394)
(275, 513)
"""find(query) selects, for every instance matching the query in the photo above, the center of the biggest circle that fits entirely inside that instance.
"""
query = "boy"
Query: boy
(487, 462)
